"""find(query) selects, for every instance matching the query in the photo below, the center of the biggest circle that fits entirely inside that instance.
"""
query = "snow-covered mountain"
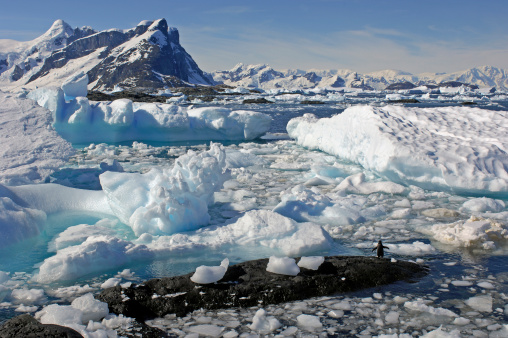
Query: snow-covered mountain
(265, 77)
(148, 56)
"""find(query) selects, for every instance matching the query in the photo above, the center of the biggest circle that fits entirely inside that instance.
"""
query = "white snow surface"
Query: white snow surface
(447, 148)
(80, 121)
(30, 148)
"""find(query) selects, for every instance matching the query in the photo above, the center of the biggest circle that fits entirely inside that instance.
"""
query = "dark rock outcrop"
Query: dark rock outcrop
(249, 284)
(29, 327)
(260, 100)
(456, 84)
(400, 86)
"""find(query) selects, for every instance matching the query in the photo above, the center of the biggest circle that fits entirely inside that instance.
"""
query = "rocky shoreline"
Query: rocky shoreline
(249, 284)
(244, 285)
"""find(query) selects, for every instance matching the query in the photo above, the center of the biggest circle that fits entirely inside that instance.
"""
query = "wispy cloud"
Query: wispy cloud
(365, 50)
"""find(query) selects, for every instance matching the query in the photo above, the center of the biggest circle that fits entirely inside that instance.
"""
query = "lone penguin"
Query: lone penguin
(380, 252)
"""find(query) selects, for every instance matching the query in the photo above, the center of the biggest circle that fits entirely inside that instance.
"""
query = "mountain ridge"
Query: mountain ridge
(265, 77)
(146, 57)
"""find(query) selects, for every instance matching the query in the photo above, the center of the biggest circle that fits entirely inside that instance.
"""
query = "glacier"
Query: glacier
(459, 149)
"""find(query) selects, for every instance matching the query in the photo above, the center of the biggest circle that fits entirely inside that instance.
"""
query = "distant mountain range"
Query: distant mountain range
(265, 77)
(149, 57)
(146, 57)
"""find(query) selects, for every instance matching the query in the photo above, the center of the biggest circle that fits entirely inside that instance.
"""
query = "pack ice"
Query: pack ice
(79, 120)
(460, 149)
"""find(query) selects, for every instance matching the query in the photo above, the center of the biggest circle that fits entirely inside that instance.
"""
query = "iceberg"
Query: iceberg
(31, 150)
(79, 120)
(458, 149)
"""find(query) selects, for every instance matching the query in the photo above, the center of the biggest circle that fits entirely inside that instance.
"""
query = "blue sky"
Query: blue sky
(362, 35)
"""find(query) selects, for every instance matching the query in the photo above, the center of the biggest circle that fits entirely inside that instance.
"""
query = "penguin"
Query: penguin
(380, 251)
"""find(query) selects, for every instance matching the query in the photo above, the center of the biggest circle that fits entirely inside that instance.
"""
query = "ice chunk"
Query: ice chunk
(283, 266)
(166, 201)
(392, 317)
(480, 303)
(59, 315)
(440, 333)
(263, 323)
(207, 330)
(91, 308)
(311, 263)
(309, 322)
(28, 296)
(97, 253)
(258, 229)
(77, 234)
(111, 282)
(75, 85)
(420, 306)
(484, 204)
(210, 274)
(416, 248)
(477, 233)
(302, 204)
(427, 147)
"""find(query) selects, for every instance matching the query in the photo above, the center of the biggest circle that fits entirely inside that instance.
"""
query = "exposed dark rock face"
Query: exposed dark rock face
(312, 77)
(400, 86)
(249, 284)
(144, 58)
(29, 327)
(311, 102)
(405, 101)
(455, 84)
(260, 100)
(360, 84)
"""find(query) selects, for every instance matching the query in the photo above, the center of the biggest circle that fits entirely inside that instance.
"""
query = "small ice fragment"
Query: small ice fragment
(486, 285)
(480, 303)
(210, 274)
(311, 263)
(263, 323)
(309, 322)
(283, 266)
(110, 283)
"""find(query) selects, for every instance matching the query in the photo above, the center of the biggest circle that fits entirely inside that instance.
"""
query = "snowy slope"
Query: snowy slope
(148, 56)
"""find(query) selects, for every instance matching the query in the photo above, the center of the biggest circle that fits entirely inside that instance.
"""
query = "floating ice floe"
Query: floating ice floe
(210, 274)
(449, 148)
(78, 120)
(475, 233)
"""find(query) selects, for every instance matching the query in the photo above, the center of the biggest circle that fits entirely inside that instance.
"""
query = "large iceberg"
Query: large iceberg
(79, 120)
(31, 150)
(459, 149)
(165, 201)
